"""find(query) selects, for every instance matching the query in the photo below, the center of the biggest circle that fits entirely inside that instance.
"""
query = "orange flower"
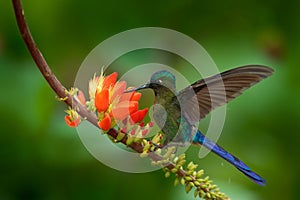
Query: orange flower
(105, 123)
(136, 96)
(124, 109)
(126, 96)
(72, 119)
(112, 104)
(133, 132)
(138, 116)
(151, 124)
(118, 89)
(109, 80)
(144, 132)
(101, 100)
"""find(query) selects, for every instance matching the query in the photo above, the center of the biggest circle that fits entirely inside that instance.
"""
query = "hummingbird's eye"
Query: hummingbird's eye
(159, 81)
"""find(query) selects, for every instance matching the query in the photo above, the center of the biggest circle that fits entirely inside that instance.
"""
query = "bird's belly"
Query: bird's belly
(175, 130)
(174, 125)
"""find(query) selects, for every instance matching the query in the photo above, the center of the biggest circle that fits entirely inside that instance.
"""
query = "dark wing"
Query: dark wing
(219, 89)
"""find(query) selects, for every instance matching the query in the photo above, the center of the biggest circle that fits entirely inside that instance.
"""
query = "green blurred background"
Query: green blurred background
(42, 158)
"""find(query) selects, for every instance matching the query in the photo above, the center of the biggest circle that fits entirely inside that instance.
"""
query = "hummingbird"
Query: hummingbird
(184, 109)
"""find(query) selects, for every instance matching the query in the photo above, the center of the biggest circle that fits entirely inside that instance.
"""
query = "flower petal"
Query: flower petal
(150, 124)
(110, 80)
(144, 132)
(81, 97)
(136, 96)
(124, 109)
(71, 122)
(138, 116)
(101, 100)
(118, 90)
(105, 123)
(93, 84)
(126, 96)
(132, 132)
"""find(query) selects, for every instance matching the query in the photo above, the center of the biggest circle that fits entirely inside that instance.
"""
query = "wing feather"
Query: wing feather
(206, 94)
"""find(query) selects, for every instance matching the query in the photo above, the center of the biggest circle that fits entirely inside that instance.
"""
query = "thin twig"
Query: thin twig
(41, 63)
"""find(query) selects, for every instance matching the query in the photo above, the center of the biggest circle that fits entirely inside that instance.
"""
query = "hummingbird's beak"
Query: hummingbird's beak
(145, 86)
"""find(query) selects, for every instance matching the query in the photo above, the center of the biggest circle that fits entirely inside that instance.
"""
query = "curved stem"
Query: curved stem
(44, 68)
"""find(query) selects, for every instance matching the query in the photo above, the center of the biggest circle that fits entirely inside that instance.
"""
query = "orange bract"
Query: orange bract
(101, 100)
(124, 109)
(126, 96)
(136, 96)
(138, 116)
(105, 123)
(118, 90)
(110, 80)
(72, 122)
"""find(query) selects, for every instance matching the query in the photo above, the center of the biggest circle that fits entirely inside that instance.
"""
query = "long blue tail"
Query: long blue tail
(202, 140)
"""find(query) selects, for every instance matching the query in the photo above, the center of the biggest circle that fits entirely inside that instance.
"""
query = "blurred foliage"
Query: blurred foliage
(41, 158)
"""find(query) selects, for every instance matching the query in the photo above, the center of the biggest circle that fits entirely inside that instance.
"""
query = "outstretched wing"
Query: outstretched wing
(219, 89)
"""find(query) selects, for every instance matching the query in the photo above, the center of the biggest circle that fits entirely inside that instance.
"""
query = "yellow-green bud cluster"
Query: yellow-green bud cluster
(151, 146)
(191, 178)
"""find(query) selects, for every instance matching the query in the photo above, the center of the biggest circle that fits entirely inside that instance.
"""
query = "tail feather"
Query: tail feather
(202, 140)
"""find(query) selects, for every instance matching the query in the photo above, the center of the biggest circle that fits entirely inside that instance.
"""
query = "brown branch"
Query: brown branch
(41, 63)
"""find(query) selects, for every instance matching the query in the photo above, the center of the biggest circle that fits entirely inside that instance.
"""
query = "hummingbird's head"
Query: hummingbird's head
(160, 79)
